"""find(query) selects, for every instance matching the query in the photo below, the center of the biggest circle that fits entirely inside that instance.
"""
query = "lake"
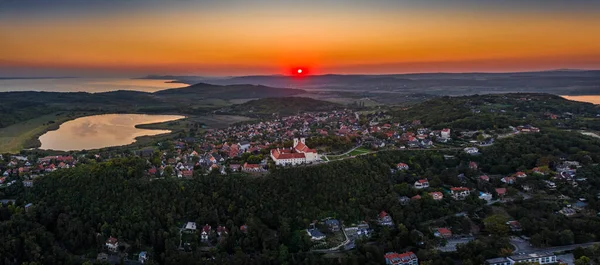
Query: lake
(91, 85)
(590, 99)
(100, 131)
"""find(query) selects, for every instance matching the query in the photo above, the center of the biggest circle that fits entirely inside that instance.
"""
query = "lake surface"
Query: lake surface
(589, 99)
(91, 85)
(99, 131)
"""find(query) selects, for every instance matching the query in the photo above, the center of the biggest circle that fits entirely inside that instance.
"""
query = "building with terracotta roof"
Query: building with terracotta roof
(299, 154)
(408, 258)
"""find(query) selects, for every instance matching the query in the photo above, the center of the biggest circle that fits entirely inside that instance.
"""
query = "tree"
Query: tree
(496, 225)
(583, 260)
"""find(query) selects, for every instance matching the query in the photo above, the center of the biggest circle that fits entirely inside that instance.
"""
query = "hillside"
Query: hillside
(196, 99)
(203, 90)
(501, 110)
(283, 106)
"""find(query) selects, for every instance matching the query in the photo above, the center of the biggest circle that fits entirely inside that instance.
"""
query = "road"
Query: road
(452, 243)
(523, 246)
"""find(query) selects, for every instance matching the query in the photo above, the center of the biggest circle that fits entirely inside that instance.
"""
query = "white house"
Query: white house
(460, 193)
(112, 244)
(445, 133)
(540, 258)
(471, 150)
(298, 154)
(422, 184)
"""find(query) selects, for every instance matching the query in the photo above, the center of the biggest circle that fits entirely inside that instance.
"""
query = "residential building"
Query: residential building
(143, 257)
(445, 133)
(471, 150)
(443, 232)
(422, 184)
(407, 258)
(514, 226)
(385, 219)
(402, 166)
(509, 180)
(437, 195)
(333, 225)
(190, 227)
(251, 167)
(112, 244)
(485, 196)
(498, 261)
(520, 175)
(460, 193)
(205, 234)
(315, 234)
(540, 258)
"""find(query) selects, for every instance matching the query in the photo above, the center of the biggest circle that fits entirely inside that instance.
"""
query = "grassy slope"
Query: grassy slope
(24, 135)
(284, 106)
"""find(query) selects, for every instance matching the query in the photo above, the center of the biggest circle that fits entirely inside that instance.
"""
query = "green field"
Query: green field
(355, 152)
(24, 135)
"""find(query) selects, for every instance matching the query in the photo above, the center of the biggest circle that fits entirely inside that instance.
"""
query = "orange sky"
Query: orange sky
(250, 41)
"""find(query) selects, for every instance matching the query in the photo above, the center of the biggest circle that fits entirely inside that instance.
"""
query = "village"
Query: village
(255, 148)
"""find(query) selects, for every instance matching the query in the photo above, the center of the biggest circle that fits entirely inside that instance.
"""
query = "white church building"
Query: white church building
(298, 154)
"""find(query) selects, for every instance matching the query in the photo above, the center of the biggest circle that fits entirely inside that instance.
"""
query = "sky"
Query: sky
(247, 37)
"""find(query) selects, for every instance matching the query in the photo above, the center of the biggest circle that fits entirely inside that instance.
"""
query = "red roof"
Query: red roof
(484, 177)
(444, 231)
(282, 154)
(206, 228)
(246, 165)
(395, 258)
(501, 191)
(459, 189)
(112, 240)
(382, 214)
(423, 181)
(301, 147)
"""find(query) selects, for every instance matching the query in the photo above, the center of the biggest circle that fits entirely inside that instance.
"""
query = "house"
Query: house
(520, 175)
(509, 180)
(298, 154)
(315, 234)
(501, 192)
(112, 244)
(460, 193)
(568, 212)
(484, 178)
(251, 167)
(215, 158)
(222, 231)
(437, 195)
(498, 261)
(244, 145)
(550, 185)
(143, 257)
(187, 173)
(445, 133)
(485, 196)
(402, 166)
(471, 150)
(404, 200)
(235, 167)
(204, 235)
(540, 258)
(514, 226)
(443, 232)
(28, 206)
(385, 219)
(408, 258)
(539, 171)
(244, 229)
(333, 225)
(190, 227)
(473, 165)
(416, 197)
(422, 184)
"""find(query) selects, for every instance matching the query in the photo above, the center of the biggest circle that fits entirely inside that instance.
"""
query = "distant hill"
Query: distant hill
(283, 106)
(229, 91)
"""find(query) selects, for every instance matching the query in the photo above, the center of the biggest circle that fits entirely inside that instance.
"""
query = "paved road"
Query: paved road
(453, 243)
(523, 246)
